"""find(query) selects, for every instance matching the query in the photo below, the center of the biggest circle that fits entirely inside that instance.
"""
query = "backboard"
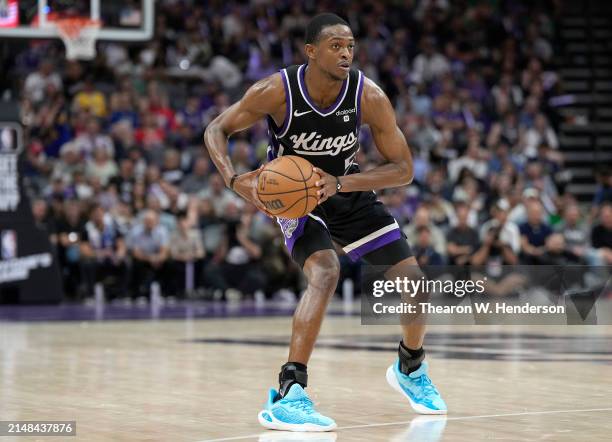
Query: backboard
(121, 20)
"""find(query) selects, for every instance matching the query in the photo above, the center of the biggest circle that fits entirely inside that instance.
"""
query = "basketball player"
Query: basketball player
(315, 111)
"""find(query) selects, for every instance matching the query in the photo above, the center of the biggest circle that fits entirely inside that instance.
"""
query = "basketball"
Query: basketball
(286, 186)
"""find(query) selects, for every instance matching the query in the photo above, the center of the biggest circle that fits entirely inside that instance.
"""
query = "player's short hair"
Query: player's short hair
(318, 22)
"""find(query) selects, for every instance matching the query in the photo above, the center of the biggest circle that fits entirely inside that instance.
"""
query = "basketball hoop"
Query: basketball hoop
(79, 36)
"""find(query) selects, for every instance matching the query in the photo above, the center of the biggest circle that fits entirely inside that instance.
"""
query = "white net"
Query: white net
(79, 36)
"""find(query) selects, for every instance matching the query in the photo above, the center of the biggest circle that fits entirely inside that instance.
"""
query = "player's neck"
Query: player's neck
(321, 87)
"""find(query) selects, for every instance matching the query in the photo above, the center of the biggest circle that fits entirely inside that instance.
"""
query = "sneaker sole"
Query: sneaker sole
(278, 425)
(394, 383)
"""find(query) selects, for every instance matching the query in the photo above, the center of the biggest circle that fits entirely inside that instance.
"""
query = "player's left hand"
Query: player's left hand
(326, 184)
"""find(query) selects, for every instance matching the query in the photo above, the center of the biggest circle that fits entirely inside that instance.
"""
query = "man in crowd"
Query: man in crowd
(148, 243)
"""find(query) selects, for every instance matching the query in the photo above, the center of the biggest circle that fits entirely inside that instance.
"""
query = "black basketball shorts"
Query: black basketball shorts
(357, 221)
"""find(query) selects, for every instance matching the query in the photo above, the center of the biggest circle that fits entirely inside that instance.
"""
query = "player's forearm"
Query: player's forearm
(215, 141)
(381, 177)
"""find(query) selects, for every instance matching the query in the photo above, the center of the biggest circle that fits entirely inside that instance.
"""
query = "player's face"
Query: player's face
(334, 51)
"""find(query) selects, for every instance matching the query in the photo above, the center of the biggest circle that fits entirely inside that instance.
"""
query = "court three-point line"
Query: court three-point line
(441, 417)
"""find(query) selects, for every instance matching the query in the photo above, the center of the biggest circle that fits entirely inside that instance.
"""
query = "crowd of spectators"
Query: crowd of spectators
(120, 180)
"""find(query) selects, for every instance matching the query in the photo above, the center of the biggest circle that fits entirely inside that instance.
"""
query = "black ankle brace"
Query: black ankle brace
(291, 373)
(410, 360)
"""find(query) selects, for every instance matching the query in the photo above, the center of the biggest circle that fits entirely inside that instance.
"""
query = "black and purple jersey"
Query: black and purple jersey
(328, 138)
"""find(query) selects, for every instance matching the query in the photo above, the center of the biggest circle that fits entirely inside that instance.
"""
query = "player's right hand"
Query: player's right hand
(245, 185)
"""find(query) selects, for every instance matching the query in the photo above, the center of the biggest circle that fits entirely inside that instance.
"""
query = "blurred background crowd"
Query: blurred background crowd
(120, 181)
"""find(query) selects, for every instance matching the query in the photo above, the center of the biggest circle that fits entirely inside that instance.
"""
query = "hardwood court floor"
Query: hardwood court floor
(193, 380)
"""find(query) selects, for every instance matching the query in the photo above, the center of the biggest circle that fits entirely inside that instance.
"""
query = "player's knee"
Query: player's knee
(328, 277)
(324, 272)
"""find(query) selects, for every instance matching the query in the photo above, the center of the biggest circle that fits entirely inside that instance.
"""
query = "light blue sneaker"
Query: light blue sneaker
(417, 387)
(294, 412)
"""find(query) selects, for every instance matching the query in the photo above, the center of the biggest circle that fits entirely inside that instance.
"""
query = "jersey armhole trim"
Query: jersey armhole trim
(288, 105)
(358, 98)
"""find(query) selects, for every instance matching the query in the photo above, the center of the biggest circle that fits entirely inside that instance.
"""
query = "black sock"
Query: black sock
(291, 373)
(410, 360)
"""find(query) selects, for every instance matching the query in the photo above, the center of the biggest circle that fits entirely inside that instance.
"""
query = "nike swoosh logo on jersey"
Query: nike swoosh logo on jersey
(299, 114)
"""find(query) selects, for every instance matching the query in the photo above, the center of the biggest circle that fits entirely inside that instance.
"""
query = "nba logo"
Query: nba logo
(8, 239)
(346, 118)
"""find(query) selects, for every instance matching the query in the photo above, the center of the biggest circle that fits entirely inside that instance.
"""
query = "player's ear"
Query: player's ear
(311, 51)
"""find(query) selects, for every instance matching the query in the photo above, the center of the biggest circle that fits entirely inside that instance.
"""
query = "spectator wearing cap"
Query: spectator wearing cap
(533, 233)
(500, 238)
(518, 213)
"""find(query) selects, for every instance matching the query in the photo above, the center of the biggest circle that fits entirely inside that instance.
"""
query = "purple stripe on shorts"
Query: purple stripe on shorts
(374, 244)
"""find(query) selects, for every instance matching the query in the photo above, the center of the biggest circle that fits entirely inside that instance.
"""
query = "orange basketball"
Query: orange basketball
(286, 187)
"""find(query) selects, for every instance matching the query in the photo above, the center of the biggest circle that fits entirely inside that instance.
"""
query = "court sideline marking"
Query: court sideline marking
(458, 418)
